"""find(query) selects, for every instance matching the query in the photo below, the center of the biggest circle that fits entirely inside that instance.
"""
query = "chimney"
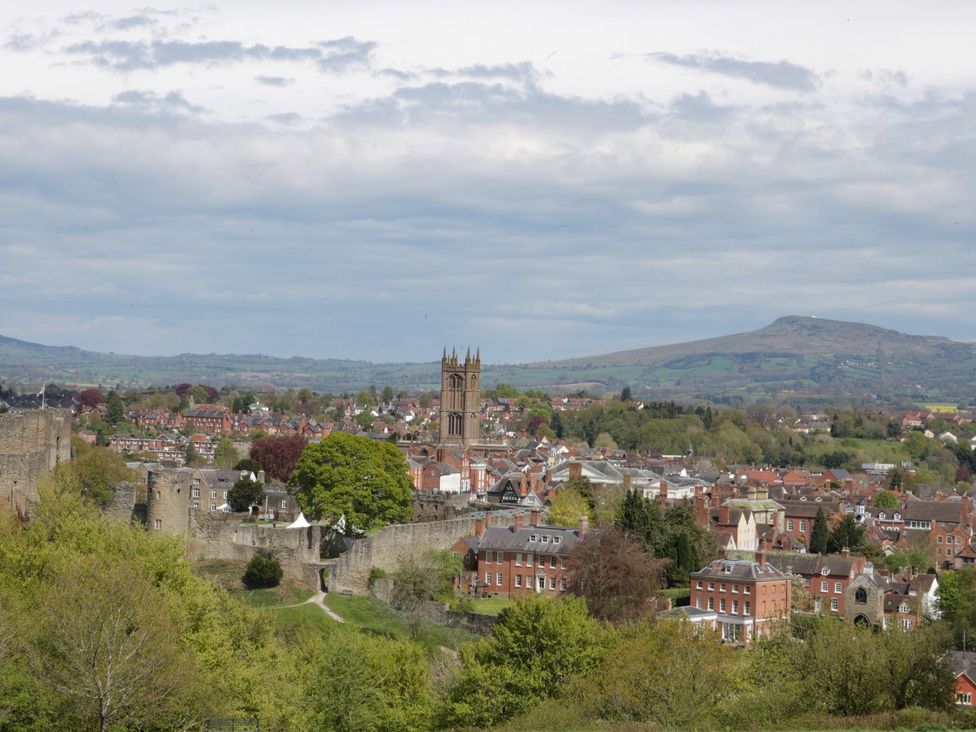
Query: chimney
(516, 522)
(723, 515)
(761, 556)
(576, 469)
(714, 496)
(845, 552)
(698, 490)
(523, 486)
(584, 524)
(479, 526)
(664, 488)
(534, 517)
(628, 480)
(487, 519)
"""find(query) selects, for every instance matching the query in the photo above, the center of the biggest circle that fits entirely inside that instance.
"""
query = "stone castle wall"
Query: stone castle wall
(223, 536)
(32, 443)
(390, 546)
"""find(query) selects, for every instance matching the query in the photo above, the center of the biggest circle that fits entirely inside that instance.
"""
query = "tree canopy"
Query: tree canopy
(364, 480)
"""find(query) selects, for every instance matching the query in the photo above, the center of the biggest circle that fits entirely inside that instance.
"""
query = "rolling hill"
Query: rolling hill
(796, 358)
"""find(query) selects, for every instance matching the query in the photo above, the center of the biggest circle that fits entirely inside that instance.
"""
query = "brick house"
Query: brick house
(517, 560)
(825, 577)
(212, 419)
(750, 597)
(964, 670)
(800, 515)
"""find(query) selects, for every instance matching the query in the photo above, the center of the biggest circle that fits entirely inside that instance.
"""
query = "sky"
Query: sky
(374, 180)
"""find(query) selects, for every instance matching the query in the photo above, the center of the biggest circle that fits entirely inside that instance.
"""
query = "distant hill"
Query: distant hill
(797, 358)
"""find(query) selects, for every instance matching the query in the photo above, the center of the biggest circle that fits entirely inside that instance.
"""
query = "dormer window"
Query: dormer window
(728, 569)
(556, 539)
(534, 537)
(881, 515)
(545, 539)
(903, 608)
(897, 517)
(825, 571)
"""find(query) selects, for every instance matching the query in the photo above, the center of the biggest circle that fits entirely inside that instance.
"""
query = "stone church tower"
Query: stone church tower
(460, 399)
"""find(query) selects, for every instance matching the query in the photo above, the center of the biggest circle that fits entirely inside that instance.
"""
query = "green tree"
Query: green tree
(95, 471)
(567, 508)
(847, 534)
(225, 454)
(114, 409)
(363, 480)
(245, 494)
(819, 534)
(626, 394)
(535, 646)
(605, 441)
(886, 499)
(263, 570)
(388, 394)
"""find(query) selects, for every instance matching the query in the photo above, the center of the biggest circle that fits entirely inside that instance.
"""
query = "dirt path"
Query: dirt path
(317, 599)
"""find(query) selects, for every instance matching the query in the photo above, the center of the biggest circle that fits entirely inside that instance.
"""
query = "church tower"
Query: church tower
(460, 399)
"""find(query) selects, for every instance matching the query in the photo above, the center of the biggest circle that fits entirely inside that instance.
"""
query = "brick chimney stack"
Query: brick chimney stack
(723, 515)
(761, 556)
(516, 522)
(479, 526)
(576, 469)
(523, 486)
(534, 517)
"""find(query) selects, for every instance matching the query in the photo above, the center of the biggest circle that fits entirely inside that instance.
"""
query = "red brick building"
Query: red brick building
(750, 597)
(964, 668)
(825, 577)
(518, 559)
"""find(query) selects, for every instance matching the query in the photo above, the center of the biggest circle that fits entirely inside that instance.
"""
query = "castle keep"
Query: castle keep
(460, 399)
(32, 443)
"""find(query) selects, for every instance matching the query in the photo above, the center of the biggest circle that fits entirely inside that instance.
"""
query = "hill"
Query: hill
(797, 358)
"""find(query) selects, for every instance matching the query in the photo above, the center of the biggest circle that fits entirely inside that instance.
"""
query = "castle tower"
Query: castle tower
(460, 399)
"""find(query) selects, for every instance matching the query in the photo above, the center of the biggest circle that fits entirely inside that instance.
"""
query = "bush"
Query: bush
(264, 570)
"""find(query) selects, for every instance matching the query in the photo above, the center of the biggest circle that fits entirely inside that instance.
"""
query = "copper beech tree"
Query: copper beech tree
(617, 579)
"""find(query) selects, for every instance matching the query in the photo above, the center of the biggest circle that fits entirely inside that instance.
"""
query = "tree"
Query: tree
(567, 508)
(278, 456)
(388, 394)
(614, 576)
(245, 494)
(819, 534)
(886, 499)
(249, 464)
(846, 535)
(264, 570)
(535, 646)
(625, 394)
(90, 398)
(97, 470)
(354, 476)
(421, 579)
(114, 408)
(605, 441)
(225, 454)
(106, 646)
(191, 456)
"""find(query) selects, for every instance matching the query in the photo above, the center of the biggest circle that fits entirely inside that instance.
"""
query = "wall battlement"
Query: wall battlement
(32, 443)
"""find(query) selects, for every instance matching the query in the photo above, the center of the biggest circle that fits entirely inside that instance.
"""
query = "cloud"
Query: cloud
(520, 72)
(779, 74)
(123, 55)
(173, 101)
(285, 118)
(273, 80)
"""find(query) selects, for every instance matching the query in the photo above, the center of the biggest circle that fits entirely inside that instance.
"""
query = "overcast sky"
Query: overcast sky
(376, 179)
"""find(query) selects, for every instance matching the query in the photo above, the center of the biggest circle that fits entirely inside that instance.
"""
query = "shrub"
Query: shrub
(264, 570)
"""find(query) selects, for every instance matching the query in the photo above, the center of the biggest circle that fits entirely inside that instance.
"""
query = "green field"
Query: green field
(490, 605)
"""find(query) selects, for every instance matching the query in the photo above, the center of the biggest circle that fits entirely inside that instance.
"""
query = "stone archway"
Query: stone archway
(861, 619)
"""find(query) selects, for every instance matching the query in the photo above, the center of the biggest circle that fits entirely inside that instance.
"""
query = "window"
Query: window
(721, 605)
(789, 524)
(964, 698)
(552, 583)
(837, 588)
(556, 539)
(938, 540)
(745, 608)
(728, 569)
(735, 589)
(213, 506)
(711, 585)
(825, 571)
(552, 562)
(881, 516)
(958, 540)
(824, 586)
(487, 578)
(499, 557)
(488, 556)
(562, 563)
(735, 607)
(562, 583)
(699, 584)
(803, 526)
(196, 494)
(284, 503)
(746, 590)
(861, 596)
(158, 523)
(721, 587)
(903, 608)
(213, 494)
(834, 604)
(545, 538)
(711, 603)
(518, 580)
(528, 560)
(225, 495)
(534, 537)
(518, 559)
(498, 579)
(905, 623)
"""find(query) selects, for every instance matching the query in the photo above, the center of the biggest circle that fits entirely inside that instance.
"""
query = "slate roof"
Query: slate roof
(808, 509)
(964, 662)
(497, 538)
(814, 564)
(741, 569)
(946, 512)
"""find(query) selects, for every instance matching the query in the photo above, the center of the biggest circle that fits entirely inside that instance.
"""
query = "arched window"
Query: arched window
(861, 596)
(456, 382)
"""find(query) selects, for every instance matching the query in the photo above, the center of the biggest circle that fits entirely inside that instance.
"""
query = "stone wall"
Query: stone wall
(388, 548)
(32, 443)
(128, 503)
(223, 536)
(168, 504)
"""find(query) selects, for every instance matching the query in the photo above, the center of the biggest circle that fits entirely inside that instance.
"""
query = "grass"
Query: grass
(373, 616)
(227, 573)
(291, 622)
(490, 605)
